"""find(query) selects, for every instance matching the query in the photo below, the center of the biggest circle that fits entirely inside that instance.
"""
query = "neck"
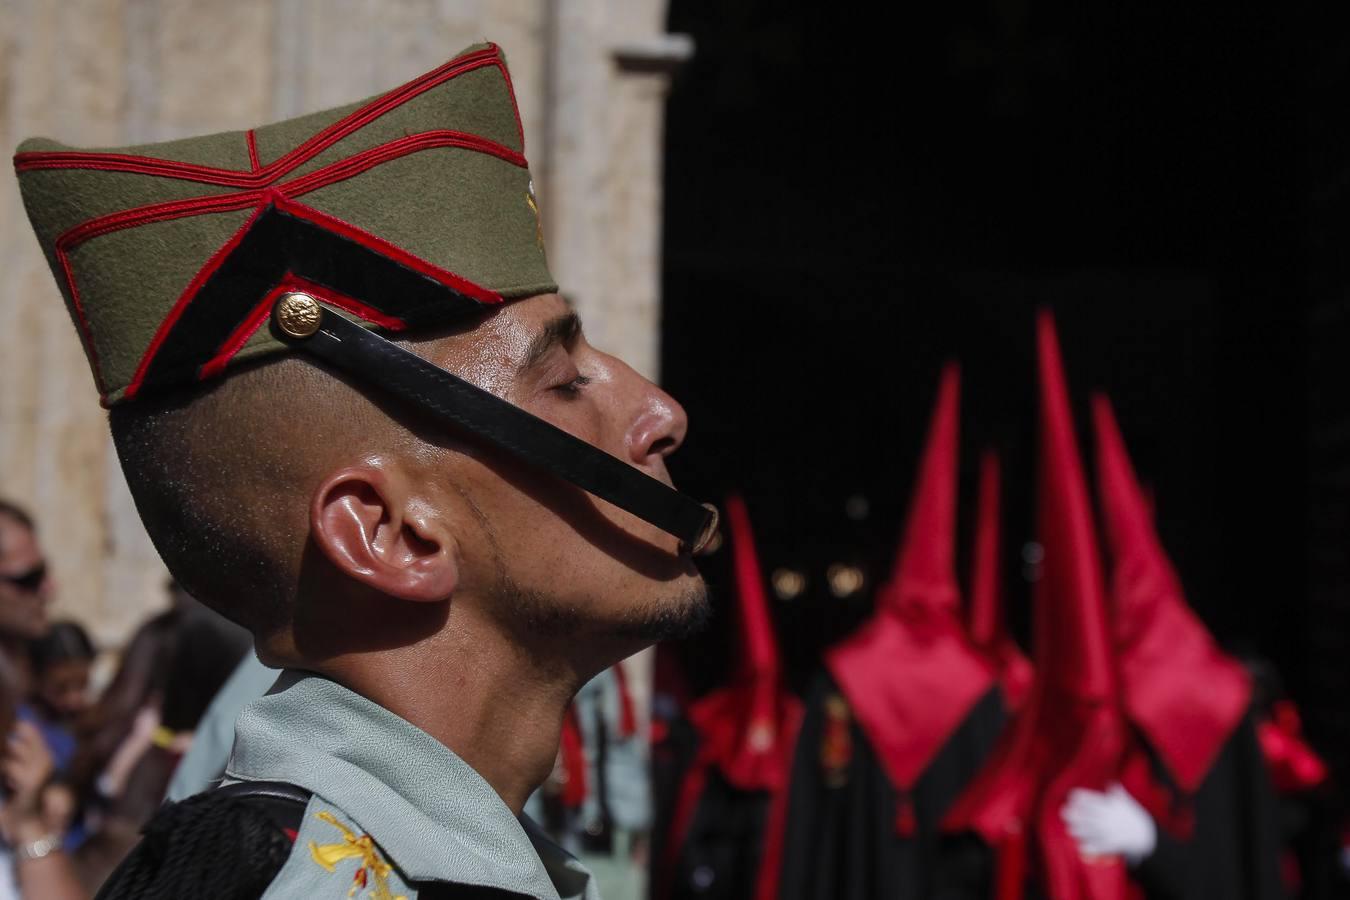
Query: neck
(497, 705)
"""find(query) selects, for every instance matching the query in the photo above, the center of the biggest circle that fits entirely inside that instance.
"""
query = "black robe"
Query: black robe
(724, 843)
(842, 842)
(1233, 851)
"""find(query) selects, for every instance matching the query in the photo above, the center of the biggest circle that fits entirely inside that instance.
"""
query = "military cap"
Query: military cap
(408, 211)
(167, 253)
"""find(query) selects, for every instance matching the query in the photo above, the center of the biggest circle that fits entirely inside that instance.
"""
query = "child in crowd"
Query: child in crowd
(60, 662)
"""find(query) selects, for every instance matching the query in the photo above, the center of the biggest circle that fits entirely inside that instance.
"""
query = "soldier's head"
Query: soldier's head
(338, 501)
(25, 583)
(286, 488)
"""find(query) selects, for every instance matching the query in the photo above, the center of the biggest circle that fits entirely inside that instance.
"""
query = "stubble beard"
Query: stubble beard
(539, 614)
(664, 618)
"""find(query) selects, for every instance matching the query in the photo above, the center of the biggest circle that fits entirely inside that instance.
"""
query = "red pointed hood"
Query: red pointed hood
(910, 673)
(747, 728)
(988, 630)
(1071, 733)
(1180, 689)
(743, 725)
(1082, 668)
(925, 562)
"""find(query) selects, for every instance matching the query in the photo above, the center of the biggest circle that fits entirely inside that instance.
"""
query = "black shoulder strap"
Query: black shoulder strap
(284, 804)
(270, 790)
(449, 398)
(228, 844)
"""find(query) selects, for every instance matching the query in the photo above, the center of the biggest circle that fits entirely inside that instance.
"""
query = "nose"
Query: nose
(659, 428)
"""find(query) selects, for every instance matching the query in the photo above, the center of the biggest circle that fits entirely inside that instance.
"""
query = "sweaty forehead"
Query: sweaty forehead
(490, 353)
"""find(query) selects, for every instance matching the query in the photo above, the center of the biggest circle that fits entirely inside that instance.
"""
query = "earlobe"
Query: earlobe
(363, 521)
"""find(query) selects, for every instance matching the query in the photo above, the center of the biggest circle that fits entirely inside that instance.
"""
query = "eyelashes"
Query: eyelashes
(573, 388)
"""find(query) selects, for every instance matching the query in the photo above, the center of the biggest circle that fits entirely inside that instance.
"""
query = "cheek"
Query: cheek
(538, 549)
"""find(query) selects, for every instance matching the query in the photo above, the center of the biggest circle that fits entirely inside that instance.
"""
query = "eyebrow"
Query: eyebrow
(560, 331)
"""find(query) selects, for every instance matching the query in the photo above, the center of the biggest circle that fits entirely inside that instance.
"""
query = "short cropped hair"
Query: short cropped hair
(222, 474)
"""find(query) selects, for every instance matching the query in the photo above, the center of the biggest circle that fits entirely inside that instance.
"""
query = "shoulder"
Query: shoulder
(331, 857)
(254, 840)
(228, 843)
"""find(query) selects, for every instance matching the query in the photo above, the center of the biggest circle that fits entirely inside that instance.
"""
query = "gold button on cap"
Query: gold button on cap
(298, 315)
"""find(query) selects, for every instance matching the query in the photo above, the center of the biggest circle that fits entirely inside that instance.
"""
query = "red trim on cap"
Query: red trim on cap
(321, 178)
(81, 320)
(385, 248)
(240, 336)
(413, 143)
(195, 285)
(259, 314)
(329, 175)
(252, 141)
(157, 212)
(287, 162)
(511, 92)
(344, 302)
(260, 176)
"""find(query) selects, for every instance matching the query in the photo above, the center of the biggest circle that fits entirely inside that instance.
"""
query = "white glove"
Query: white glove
(1110, 824)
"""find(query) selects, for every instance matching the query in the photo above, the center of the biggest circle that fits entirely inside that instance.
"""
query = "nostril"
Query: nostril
(662, 447)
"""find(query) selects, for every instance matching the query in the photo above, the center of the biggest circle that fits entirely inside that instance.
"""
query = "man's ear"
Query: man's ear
(362, 519)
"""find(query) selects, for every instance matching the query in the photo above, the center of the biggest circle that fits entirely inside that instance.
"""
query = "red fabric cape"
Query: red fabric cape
(1071, 733)
(1181, 691)
(910, 673)
(747, 729)
(988, 629)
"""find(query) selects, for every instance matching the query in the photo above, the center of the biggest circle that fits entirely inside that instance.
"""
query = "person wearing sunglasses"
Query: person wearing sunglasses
(25, 590)
(29, 835)
(358, 418)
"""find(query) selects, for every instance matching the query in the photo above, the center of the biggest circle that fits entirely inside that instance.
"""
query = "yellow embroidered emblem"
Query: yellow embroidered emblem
(372, 865)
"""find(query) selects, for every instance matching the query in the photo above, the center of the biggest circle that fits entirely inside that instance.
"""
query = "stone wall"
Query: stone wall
(591, 82)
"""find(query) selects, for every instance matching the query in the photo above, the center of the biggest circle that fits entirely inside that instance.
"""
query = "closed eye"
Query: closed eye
(573, 388)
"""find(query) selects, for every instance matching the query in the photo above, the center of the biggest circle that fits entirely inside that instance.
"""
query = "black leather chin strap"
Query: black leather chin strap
(432, 390)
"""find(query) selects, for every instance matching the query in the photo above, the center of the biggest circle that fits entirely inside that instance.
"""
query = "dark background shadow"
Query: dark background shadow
(850, 201)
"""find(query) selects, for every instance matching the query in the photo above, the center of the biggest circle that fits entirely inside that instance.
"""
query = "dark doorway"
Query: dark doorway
(851, 201)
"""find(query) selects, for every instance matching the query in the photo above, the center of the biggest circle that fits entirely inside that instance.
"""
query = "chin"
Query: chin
(680, 610)
(614, 605)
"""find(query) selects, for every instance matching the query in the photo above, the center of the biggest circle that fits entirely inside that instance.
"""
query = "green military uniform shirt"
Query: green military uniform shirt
(392, 809)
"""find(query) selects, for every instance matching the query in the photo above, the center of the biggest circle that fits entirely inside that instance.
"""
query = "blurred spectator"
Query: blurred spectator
(204, 764)
(118, 728)
(137, 733)
(59, 664)
(25, 588)
(1308, 806)
(36, 814)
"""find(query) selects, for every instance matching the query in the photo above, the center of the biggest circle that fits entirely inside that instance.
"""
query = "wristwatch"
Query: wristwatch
(43, 846)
